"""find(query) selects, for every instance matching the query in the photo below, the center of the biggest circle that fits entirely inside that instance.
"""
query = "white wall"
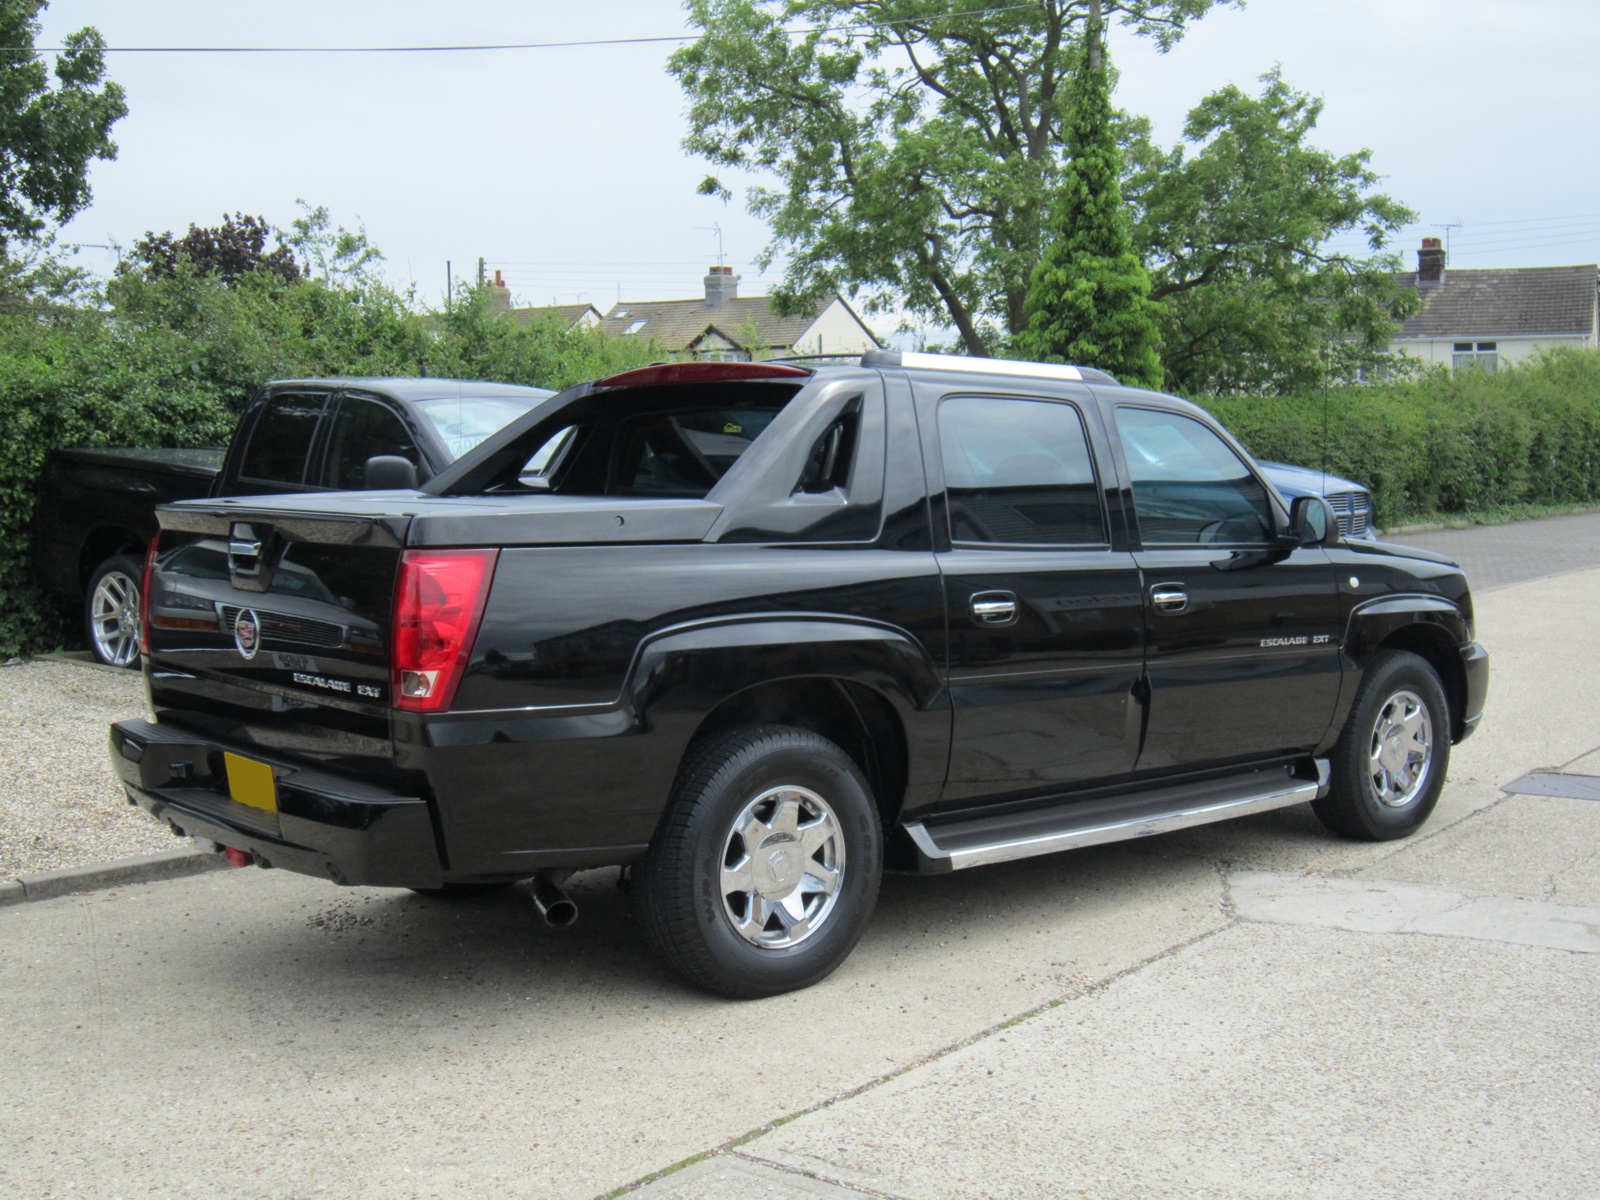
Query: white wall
(835, 331)
(1510, 350)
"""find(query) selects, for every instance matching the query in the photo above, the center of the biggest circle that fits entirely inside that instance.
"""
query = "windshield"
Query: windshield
(464, 421)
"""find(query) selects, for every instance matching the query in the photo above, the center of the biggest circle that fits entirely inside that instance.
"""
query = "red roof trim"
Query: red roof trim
(701, 372)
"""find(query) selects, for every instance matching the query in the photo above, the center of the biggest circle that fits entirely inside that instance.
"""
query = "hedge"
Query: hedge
(1444, 443)
(173, 362)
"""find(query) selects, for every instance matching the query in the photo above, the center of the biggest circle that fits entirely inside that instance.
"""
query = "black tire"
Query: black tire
(111, 611)
(1371, 798)
(761, 772)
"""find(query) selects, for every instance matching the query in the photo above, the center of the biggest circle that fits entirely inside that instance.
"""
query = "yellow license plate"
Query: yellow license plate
(251, 782)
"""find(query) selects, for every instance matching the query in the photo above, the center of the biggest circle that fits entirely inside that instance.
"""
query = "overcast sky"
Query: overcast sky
(563, 167)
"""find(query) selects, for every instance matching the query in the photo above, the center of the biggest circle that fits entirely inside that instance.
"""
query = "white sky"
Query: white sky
(563, 167)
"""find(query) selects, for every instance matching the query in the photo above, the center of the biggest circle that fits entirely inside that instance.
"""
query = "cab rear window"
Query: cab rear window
(666, 441)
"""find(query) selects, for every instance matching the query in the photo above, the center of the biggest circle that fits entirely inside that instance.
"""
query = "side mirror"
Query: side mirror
(1313, 521)
(386, 472)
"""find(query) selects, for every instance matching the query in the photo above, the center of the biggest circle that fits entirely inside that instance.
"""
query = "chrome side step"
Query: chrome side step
(975, 842)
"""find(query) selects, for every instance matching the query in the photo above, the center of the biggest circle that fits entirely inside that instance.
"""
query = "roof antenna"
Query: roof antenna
(716, 229)
(1327, 355)
(1456, 224)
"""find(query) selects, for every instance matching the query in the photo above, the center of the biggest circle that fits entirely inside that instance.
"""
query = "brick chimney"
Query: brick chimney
(1430, 263)
(722, 285)
(499, 295)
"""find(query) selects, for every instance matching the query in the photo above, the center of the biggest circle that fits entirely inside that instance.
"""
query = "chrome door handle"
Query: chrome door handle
(994, 608)
(1169, 597)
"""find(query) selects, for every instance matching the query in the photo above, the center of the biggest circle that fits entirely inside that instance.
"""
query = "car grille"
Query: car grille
(288, 631)
(1354, 510)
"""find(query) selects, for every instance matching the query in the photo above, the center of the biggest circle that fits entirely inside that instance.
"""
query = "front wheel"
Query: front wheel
(111, 612)
(1390, 761)
(766, 865)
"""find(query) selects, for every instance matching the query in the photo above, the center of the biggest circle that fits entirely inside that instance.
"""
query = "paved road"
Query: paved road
(1497, 555)
(1245, 1010)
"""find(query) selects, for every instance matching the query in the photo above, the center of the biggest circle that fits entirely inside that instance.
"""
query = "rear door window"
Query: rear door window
(281, 440)
(1018, 471)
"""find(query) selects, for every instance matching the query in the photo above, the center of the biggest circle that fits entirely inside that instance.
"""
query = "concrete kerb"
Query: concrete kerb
(72, 881)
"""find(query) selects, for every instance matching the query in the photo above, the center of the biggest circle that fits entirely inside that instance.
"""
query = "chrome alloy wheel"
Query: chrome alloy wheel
(114, 618)
(782, 864)
(1402, 749)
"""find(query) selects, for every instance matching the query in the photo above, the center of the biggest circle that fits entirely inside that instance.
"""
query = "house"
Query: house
(727, 327)
(567, 316)
(1483, 316)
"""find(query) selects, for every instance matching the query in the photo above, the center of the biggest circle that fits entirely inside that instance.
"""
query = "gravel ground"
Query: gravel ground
(60, 805)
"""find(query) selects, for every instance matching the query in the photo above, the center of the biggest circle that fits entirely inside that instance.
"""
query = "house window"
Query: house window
(725, 356)
(638, 325)
(1475, 356)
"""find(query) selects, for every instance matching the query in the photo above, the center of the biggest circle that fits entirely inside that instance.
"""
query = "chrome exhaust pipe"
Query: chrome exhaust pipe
(558, 909)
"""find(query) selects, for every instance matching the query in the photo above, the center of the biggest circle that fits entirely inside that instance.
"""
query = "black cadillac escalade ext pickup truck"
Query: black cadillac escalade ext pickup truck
(756, 631)
(96, 511)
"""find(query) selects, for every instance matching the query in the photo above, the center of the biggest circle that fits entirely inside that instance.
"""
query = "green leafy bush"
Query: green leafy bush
(1443, 443)
(170, 358)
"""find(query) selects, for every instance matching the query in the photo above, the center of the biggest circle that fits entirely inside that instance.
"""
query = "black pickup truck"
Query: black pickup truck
(755, 632)
(96, 510)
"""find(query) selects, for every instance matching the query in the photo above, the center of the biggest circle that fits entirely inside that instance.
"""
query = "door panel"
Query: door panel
(1241, 651)
(1249, 667)
(1045, 613)
(1047, 699)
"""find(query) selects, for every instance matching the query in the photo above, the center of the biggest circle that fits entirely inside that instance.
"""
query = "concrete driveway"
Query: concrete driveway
(1252, 1009)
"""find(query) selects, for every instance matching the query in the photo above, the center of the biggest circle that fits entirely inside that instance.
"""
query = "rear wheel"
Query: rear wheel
(766, 865)
(111, 611)
(1390, 761)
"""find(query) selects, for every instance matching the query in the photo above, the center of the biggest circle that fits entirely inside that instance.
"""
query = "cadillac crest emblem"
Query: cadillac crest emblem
(247, 633)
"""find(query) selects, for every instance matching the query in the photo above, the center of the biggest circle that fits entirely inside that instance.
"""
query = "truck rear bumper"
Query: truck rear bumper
(316, 823)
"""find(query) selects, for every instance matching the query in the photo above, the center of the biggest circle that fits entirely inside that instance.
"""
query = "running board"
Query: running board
(975, 842)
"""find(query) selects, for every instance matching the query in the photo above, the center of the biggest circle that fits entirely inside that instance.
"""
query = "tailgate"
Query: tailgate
(271, 628)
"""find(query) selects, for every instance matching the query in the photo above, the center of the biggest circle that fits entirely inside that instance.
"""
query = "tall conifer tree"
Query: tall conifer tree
(1089, 296)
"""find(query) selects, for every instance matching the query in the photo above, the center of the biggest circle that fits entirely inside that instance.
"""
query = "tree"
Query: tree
(1233, 228)
(228, 251)
(332, 253)
(50, 133)
(915, 148)
(1089, 297)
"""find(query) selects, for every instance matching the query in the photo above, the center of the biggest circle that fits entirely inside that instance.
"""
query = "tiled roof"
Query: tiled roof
(567, 315)
(1505, 302)
(678, 324)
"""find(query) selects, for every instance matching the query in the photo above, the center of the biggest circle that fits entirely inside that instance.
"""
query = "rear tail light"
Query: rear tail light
(144, 594)
(438, 604)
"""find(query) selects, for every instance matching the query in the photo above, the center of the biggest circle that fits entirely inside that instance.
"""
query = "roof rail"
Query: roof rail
(986, 366)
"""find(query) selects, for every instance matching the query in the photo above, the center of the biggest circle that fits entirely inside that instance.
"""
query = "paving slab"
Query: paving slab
(1544, 708)
(1586, 764)
(730, 1177)
(1380, 906)
(1266, 1061)
(266, 1034)
(1535, 847)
